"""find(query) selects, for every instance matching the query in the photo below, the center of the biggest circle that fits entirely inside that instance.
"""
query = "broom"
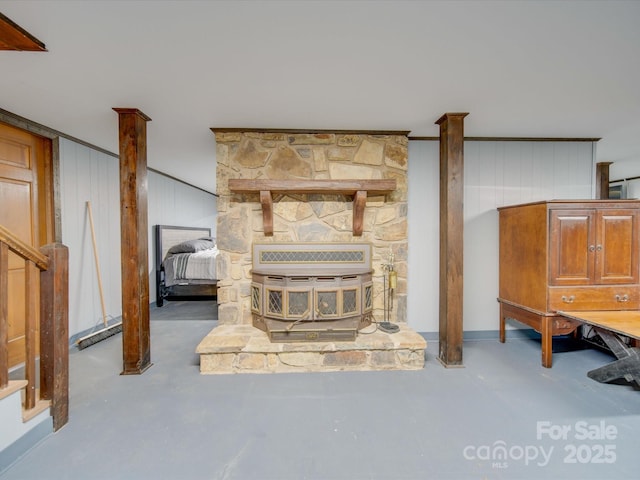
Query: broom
(107, 331)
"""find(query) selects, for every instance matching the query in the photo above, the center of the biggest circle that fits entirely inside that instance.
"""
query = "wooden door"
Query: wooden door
(27, 211)
(572, 247)
(617, 247)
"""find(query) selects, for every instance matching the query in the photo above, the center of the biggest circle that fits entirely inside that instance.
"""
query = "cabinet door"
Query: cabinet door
(572, 247)
(617, 246)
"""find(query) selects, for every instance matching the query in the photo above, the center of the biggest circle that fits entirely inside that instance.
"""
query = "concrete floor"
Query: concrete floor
(503, 416)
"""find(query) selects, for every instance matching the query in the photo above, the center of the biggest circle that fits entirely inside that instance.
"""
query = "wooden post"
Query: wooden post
(54, 332)
(602, 180)
(451, 237)
(136, 345)
(31, 332)
(4, 315)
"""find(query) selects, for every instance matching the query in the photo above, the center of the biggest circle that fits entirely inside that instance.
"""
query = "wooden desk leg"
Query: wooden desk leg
(540, 323)
(546, 330)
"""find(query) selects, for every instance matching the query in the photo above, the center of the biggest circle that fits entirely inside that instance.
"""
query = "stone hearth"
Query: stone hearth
(245, 349)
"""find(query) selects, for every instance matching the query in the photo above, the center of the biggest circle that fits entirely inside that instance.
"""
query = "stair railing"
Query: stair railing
(51, 264)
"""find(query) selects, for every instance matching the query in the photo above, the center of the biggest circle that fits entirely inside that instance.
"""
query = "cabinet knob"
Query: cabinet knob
(592, 248)
(568, 299)
(598, 248)
(622, 298)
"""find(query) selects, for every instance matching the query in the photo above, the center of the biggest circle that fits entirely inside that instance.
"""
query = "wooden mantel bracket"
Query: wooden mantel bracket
(359, 189)
(267, 212)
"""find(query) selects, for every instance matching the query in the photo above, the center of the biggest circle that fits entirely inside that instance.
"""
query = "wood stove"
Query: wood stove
(304, 292)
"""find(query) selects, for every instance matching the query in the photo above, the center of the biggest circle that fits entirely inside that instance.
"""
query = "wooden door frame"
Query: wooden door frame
(54, 136)
(48, 180)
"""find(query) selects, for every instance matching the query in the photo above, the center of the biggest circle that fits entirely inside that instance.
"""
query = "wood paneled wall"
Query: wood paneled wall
(497, 173)
(89, 175)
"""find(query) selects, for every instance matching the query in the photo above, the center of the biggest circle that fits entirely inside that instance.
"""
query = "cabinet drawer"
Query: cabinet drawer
(594, 298)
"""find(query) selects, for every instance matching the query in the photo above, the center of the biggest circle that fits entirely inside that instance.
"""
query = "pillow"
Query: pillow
(191, 246)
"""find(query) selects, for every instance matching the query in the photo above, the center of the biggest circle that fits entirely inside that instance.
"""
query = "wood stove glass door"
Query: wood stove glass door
(274, 302)
(298, 304)
(350, 301)
(326, 304)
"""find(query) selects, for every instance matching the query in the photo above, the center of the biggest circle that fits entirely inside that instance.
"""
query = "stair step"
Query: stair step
(12, 387)
(41, 406)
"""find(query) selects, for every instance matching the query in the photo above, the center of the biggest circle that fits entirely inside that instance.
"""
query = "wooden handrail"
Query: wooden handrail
(24, 250)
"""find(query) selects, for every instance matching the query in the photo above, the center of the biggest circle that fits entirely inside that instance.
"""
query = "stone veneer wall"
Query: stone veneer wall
(308, 218)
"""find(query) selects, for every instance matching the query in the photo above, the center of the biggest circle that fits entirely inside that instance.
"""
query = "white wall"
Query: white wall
(633, 189)
(495, 174)
(89, 175)
(624, 168)
(423, 218)
(627, 169)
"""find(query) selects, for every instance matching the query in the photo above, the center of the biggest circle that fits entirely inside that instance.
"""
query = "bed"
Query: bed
(185, 263)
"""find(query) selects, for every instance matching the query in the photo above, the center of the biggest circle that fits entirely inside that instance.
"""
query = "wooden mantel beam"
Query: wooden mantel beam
(329, 187)
(359, 189)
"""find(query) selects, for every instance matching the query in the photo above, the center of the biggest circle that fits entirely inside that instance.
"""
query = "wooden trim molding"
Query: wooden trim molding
(511, 139)
(356, 188)
(628, 179)
(14, 37)
(309, 131)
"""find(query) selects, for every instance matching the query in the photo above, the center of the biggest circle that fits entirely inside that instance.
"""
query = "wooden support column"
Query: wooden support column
(4, 315)
(136, 345)
(54, 332)
(602, 180)
(451, 237)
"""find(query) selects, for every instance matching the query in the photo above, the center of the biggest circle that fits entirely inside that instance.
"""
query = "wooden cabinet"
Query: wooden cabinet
(577, 255)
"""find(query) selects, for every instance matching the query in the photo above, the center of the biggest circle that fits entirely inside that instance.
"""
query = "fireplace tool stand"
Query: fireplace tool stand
(386, 325)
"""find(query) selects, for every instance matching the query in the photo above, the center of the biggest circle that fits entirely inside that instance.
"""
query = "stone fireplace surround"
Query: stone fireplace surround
(235, 345)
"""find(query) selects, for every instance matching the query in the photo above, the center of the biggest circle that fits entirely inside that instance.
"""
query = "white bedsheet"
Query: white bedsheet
(185, 268)
(202, 265)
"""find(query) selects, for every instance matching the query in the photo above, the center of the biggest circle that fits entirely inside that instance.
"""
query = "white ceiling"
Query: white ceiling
(520, 68)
